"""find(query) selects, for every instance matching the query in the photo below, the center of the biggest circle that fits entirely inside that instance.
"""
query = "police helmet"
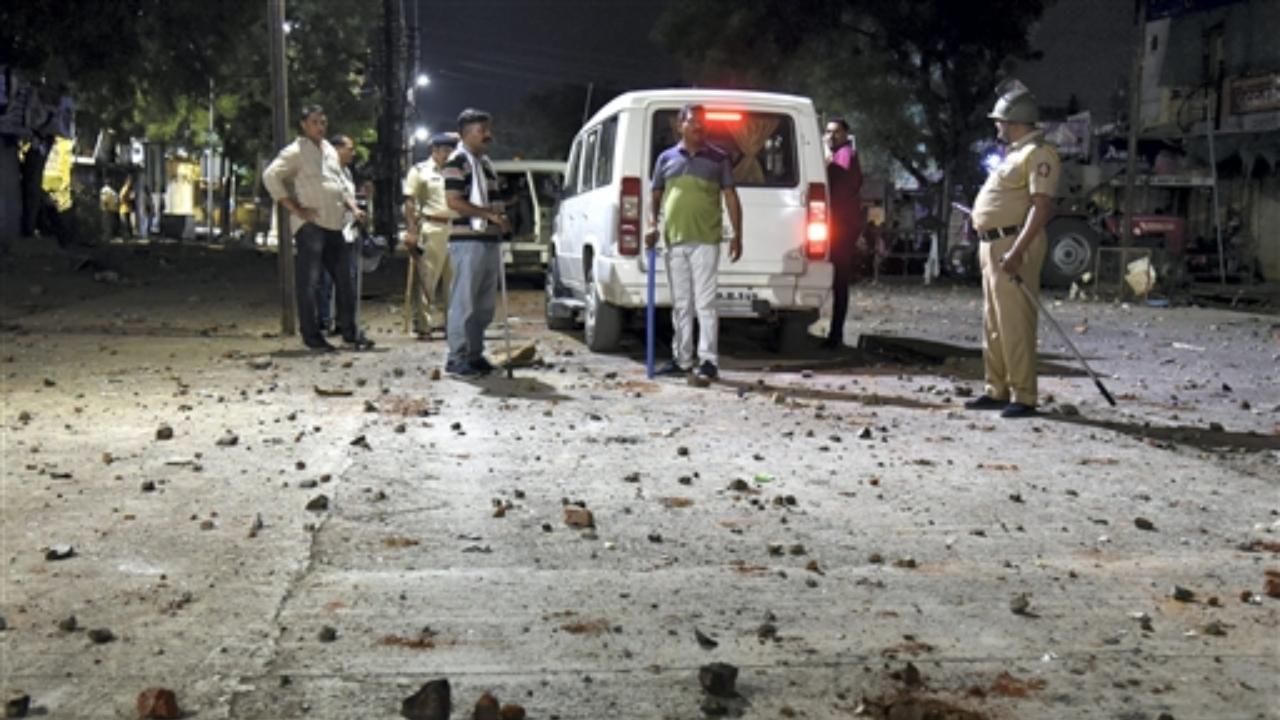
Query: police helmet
(1016, 106)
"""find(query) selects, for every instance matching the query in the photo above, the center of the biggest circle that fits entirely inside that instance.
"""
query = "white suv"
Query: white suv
(597, 269)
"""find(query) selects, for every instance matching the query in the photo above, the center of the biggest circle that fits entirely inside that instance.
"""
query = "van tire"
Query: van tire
(601, 321)
(553, 289)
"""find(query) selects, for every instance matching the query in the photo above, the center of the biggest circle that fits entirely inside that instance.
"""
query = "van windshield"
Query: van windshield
(761, 146)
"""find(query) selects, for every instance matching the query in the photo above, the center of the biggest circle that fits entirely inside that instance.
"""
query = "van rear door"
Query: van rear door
(763, 146)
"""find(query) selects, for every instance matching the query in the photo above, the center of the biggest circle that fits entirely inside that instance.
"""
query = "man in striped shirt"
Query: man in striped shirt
(307, 178)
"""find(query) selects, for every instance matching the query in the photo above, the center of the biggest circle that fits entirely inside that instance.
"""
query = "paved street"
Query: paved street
(832, 524)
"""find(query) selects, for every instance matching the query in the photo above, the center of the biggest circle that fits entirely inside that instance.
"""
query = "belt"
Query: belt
(996, 233)
(437, 218)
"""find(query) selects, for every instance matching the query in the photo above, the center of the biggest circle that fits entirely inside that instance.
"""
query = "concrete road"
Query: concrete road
(832, 524)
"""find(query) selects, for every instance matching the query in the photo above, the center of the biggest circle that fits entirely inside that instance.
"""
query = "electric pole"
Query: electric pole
(280, 136)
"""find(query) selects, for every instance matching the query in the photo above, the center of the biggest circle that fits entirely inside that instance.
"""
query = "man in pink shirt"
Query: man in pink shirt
(844, 189)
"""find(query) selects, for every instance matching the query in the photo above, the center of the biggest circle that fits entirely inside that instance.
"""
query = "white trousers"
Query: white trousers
(691, 275)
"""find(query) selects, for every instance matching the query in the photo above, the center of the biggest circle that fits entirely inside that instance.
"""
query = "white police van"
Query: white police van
(597, 273)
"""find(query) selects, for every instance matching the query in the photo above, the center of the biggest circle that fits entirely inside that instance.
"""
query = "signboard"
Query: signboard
(1157, 9)
(1253, 95)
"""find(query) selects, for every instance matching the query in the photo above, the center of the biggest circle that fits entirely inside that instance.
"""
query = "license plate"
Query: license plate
(736, 296)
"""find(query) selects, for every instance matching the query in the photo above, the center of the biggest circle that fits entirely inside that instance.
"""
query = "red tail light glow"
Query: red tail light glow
(722, 116)
(817, 233)
(629, 207)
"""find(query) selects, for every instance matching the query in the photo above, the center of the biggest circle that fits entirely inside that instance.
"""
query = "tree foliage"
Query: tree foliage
(147, 68)
(914, 79)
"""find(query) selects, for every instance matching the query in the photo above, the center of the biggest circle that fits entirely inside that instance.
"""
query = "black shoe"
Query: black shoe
(359, 343)
(320, 346)
(671, 368)
(832, 344)
(466, 370)
(1018, 410)
(483, 365)
(708, 370)
(986, 402)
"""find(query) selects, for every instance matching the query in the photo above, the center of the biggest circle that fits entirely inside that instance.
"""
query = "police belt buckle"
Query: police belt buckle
(996, 233)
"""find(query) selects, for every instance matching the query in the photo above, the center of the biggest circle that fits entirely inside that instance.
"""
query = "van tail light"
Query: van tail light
(817, 230)
(629, 217)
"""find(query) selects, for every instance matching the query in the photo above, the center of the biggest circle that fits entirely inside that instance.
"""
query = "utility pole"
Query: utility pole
(390, 120)
(280, 136)
(1135, 109)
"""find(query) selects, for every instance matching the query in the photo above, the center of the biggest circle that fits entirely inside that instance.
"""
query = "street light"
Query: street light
(423, 80)
(421, 134)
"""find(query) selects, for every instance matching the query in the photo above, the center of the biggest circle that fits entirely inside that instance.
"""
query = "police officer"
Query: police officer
(427, 214)
(1009, 215)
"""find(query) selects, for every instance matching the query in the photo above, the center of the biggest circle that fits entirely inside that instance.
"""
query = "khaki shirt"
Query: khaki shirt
(1030, 167)
(425, 184)
(313, 176)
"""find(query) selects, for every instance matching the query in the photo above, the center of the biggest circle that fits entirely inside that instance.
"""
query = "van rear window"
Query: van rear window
(762, 146)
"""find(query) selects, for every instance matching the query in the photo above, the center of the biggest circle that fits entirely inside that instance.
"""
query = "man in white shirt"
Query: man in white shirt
(307, 178)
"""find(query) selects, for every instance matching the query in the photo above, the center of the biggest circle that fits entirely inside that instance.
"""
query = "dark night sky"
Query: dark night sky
(491, 53)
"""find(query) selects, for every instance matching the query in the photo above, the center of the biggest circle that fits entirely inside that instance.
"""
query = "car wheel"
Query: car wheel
(558, 317)
(1073, 244)
(602, 322)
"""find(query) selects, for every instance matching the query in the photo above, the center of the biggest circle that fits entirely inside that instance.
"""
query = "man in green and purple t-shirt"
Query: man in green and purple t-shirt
(689, 179)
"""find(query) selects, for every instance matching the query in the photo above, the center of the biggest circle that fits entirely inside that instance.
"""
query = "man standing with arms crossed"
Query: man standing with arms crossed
(307, 178)
(1009, 215)
(475, 244)
(844, 187)
(689, 179)
(427, 217)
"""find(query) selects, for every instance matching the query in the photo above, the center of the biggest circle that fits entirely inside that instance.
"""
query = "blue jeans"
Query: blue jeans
(473, 297)
(321, 251)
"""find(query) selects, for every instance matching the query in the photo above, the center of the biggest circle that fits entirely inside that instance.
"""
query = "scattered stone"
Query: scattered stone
(767, 631)
(361, 442)
(164, 432)
(906, 562)
(435, 373)
(1215, 628)
(486, 708)
(1020, 604)
(511, 711)
(706, 642)
(148, 486)
(319, 503)
(68, 624)
(17, 706)
(24, 417)
(307, 484)
(864, 433)
(739, 485)
(1216, 427)
(59, 552)
(158, 704)
(1069, 410)
(682, 451)
(369, 407)
(718, 679)
(400, 428)
(101, 636)
(256, 526)
(578, 517)
(327, 634)
(875, 558)
(1182, 594)
(631, 477)
(431, 702)
(260, 362)
(1271, 586)
(1143, 524)
(806, 374)
(909, 675)
(229, 440)
(698, 381)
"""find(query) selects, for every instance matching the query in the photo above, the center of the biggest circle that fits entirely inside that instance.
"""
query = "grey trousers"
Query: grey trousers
(473, 297)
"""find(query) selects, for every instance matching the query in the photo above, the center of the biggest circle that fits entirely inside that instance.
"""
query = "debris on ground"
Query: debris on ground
(158, 704)
(432, 701)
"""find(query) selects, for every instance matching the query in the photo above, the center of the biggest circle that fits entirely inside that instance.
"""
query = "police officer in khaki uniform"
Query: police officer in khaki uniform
(1009, 215)
(427, 238)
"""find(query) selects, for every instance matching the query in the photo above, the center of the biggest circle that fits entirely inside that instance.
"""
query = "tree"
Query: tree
(544, 123)
(914, 79)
